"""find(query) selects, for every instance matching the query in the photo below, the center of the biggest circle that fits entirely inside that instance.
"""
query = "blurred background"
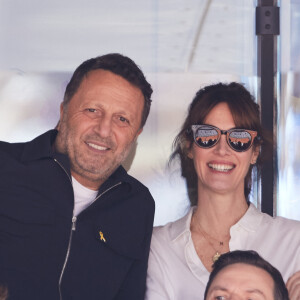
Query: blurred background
(181, 46)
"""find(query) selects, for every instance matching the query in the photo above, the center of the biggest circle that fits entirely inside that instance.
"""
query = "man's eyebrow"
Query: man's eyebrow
(218, 288)
(221, 288)
(257, 291)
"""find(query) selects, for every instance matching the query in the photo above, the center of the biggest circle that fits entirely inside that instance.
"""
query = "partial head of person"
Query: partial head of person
(105, 107)
(223, 121)
(3, 292)
(244, 275)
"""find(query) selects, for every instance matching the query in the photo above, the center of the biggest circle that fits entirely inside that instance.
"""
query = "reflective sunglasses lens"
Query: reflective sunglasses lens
(240, 140)
(206, 136)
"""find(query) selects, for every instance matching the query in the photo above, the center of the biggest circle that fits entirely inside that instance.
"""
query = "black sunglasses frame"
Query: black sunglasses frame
(220, 132)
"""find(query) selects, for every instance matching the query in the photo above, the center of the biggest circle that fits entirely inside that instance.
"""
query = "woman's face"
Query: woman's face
(220, 168)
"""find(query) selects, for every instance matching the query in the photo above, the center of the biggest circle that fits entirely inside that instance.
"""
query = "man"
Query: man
(73, 223)
(244, 275)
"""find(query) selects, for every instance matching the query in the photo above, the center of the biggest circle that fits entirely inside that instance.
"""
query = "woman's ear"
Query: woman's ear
(189, 149)
(255, 154)
(190, 154)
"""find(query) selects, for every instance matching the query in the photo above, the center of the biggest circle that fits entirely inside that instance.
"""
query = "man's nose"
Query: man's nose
(104, 126)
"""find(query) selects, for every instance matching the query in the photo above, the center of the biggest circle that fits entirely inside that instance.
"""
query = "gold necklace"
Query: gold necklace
(218, 253)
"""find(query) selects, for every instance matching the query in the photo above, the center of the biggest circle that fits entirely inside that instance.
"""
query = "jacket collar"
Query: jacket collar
(182, 225)
(119, 176)
(40, 147)
(43, 147)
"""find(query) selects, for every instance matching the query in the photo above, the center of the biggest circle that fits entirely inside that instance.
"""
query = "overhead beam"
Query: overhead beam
(198, 33)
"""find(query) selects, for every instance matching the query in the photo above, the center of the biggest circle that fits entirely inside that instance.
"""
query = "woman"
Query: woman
(218, 146)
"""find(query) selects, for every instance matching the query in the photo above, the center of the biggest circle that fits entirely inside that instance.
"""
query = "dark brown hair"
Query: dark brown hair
(118, 64)
(245, 113)
(252, 258)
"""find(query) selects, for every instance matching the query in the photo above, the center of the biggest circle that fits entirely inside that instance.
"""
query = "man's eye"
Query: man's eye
(220, 298)
(92, 113)
(124, 120)
(91, 110)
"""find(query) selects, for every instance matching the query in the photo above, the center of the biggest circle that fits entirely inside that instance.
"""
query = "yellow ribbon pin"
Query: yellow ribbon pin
(102, 238)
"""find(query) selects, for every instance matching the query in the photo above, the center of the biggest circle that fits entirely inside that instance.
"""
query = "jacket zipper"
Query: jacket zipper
(70, 237)
(74, 219)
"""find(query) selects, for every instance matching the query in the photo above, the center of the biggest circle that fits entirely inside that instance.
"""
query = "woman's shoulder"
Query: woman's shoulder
(285, 222)
(280, 223)
(172, 230)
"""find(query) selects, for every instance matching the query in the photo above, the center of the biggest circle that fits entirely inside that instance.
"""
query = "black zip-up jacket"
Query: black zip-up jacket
(45, 253)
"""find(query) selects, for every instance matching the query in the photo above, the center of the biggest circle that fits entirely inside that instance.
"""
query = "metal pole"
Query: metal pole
(267, 29)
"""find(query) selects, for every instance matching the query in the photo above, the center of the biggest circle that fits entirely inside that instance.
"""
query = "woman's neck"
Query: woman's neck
(216, 213)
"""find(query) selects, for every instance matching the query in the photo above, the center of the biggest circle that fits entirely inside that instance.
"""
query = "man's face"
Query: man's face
(241, 282)
(99, 126)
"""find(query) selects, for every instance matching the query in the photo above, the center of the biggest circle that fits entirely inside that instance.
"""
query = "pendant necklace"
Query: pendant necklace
(218, 253)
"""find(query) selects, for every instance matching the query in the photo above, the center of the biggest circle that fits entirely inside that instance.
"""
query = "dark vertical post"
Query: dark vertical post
(267, 28)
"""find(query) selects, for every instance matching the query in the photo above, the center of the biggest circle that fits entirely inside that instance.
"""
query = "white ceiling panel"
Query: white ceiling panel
(160, 35)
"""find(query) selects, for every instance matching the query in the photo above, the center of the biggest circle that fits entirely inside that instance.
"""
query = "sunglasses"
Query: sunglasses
(207, 136)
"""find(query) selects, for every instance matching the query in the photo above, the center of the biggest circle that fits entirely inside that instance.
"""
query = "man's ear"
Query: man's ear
(61, 113)
(139, 132)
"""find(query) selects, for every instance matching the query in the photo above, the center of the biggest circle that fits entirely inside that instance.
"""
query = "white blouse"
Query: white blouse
(176, 272)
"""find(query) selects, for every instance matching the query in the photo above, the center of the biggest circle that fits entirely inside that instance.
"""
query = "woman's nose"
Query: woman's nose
(222, 148)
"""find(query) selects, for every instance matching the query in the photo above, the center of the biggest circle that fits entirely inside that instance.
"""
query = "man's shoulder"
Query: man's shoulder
(135, 193)
(121, 174)
(17, 150)
(11, 149)
(142, 191)
(136, 183)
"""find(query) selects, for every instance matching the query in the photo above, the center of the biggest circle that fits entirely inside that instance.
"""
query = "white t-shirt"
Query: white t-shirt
(83, 197)
(176, 272)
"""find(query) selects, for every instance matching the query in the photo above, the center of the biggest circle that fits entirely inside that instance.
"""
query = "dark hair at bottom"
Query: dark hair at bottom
(252, 258)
